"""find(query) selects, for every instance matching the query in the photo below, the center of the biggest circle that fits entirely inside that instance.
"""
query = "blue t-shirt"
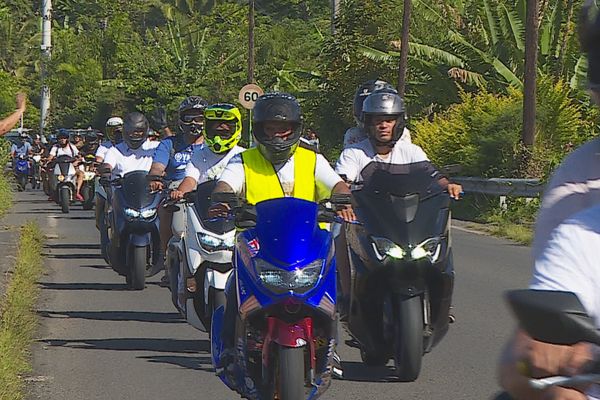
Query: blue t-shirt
(24, 148)
(174, 153)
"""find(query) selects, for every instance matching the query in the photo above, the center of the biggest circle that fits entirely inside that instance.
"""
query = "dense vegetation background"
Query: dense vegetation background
(465, 73)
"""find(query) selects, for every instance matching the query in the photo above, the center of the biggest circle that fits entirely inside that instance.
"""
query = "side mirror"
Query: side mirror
(552, 316)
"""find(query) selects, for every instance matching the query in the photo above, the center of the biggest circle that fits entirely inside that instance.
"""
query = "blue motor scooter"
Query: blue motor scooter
(284, 289)
(133, 227)
(22, 171)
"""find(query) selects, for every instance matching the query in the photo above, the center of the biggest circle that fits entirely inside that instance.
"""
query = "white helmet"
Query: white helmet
(114, 121)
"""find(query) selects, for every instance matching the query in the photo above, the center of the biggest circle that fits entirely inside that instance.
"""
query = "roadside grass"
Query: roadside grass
(518, 233)
(18, 320)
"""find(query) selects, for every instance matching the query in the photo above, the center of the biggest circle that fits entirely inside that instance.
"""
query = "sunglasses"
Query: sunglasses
(188, 119)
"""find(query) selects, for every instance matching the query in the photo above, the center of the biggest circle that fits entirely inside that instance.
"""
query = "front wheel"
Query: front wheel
(408, 339)
(216, 298)
(291, 373)
(137, 259)
(22, 182)
(64, 199)
(88, 197)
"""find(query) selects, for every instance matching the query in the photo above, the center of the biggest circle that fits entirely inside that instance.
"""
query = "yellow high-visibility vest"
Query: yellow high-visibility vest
(262, 182)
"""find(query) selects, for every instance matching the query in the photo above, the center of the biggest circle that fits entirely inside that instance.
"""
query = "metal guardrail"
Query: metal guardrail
(501, 186)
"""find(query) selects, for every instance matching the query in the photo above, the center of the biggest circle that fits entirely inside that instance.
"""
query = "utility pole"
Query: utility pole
(251, 41)
(46, 48)
(250, 61)
(335, 13)
(529, 90)
(403, 64)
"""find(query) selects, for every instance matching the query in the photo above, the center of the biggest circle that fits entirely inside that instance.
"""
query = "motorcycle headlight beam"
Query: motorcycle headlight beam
(131, 213)
(212, 243)
(430, 248)
(148, 213)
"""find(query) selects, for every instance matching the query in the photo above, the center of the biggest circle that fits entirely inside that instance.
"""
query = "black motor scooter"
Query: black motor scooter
(404, 277)
(133, 227)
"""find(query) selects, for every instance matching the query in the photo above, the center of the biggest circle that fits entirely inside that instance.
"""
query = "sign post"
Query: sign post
(247, 97)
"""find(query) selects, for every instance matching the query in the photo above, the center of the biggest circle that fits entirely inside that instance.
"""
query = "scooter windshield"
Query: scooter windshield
(403, 203)
(202, 202)
(287, 230)
(136, 190)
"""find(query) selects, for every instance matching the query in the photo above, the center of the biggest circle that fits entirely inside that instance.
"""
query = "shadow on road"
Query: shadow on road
(84, 286)
(134, 344)
(195, 363)
(138, 316)
(72, 217)
(86, 246)
(359, 372)
(89, 256)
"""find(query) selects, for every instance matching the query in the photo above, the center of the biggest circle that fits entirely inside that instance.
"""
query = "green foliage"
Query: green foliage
(482, 133)
(18, 320)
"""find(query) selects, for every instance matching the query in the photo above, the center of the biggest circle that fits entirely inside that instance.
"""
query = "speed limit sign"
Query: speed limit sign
(249, 94)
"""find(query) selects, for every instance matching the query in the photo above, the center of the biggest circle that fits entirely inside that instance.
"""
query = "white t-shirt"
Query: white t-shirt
(122, 159)
(325, 176)
(356, 134)
(357, 156)
(569, 262)
(103, 149)
(574, 186)
(69, 150)
(207, 165)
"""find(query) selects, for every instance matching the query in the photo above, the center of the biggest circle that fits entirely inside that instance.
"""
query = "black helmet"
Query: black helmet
(135, 129)
(386, 103)
(191, 115)
(363, 91)
(62, 134)
(277, 107)
(589, 35)
(91, 137)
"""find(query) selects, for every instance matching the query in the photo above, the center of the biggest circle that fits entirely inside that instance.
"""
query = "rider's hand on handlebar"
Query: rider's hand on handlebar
(156, 186)
(177, 195)
(347, 213)
(218, 210)
(455, 190)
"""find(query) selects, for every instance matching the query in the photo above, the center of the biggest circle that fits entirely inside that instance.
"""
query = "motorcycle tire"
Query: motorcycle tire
(374, 358)
(408, 339)
(137, 260)
(22, 182)
(217, 298)
(64, 196)
(88, 198)
(291, 373)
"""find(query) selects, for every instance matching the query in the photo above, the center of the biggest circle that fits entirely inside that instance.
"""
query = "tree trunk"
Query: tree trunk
(565, 41)
(404, 49)
(529, 93)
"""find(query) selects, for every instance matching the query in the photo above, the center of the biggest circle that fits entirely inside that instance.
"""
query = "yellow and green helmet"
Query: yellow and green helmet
(223, 127)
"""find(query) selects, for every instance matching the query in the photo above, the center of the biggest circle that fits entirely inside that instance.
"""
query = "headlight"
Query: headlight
(60, 178)
(212, 243)
(299, 280)
(385, 247)
(131, 213)
(148, 213)
(431, 248)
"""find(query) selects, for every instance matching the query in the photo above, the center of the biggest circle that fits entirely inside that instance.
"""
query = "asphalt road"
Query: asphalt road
(98, 340)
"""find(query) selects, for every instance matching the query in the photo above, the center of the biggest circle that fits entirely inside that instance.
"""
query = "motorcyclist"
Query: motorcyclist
(37, 147)
(383, 116)
(566, 242)
(64, 148)
(21, 146)
(91, 142)
(135, 152)
(358, 133)
(113, 131)
(278, 167)
(78, 140)
(222, 134)
(170, 160)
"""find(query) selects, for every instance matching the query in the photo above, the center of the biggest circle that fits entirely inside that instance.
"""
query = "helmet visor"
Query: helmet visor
(222, 128)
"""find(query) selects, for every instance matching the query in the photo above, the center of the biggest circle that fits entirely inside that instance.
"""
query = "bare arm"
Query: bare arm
(9, 122)
(187, 185)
